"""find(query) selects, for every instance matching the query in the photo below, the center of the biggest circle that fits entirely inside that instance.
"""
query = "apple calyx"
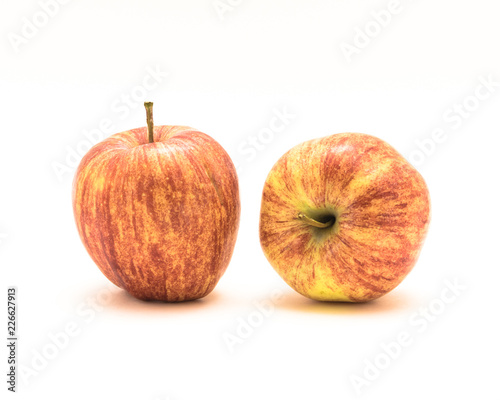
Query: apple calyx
(149, 118)
(313, 222)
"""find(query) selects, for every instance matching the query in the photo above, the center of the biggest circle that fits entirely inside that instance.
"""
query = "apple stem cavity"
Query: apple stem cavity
(313, 222)
(149, 118)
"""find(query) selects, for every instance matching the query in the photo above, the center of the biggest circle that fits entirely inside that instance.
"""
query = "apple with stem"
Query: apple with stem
(158, 209)
(343, 218)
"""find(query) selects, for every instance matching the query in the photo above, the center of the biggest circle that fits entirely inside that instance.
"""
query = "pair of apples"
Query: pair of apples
(343, 218)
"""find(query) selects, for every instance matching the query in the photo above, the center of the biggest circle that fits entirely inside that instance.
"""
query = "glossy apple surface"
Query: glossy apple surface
(159, 219)
(343, 218)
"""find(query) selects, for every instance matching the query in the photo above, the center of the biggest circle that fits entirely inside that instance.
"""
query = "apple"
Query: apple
(343, 218)
(158, 210)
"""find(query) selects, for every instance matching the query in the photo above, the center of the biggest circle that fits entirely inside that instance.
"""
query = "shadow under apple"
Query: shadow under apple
(392, 302)
(122, 301)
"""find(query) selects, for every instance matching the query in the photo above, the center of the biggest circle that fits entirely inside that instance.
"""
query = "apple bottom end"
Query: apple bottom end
(344, 300)
(159, 299)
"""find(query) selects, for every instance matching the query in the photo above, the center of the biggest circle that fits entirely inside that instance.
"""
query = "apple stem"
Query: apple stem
(149, 119)
(313, 222)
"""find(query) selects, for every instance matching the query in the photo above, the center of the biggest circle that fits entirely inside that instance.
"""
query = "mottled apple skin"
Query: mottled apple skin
(159, 219)
(381, 207)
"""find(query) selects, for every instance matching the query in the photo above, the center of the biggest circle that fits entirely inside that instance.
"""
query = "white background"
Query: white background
(226, 74)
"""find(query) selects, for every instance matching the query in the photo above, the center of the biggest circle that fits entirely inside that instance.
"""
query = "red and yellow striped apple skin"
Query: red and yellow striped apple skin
(159, 219)
(382, 209)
